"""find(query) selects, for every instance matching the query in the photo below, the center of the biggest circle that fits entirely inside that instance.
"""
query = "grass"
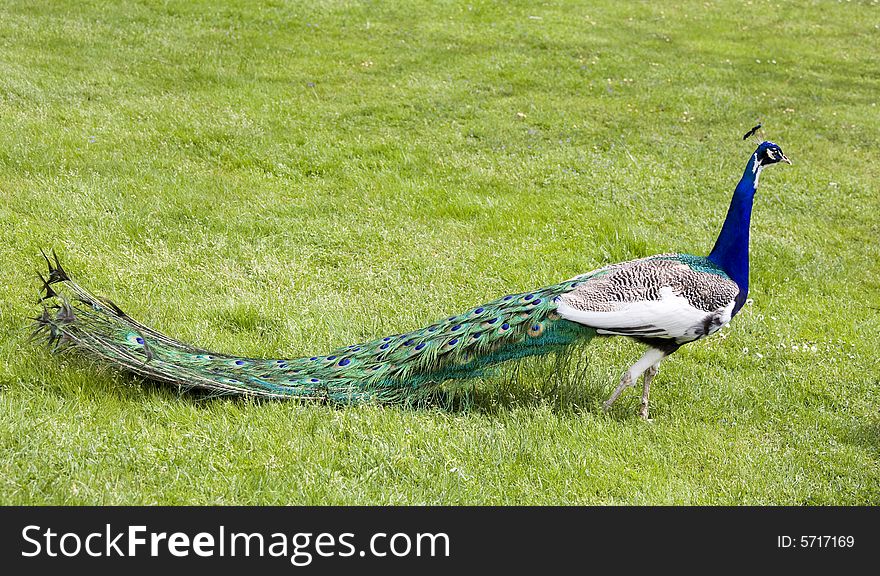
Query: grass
(279, 179)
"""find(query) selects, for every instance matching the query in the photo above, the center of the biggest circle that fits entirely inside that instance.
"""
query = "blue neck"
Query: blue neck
(731, 251)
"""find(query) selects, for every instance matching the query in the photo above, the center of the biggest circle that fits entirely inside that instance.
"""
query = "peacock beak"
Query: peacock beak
(785, 159)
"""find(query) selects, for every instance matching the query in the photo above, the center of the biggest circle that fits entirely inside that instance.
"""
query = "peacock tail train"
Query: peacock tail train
(395, 368)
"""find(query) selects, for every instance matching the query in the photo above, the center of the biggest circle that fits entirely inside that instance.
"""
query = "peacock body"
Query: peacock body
(663, 301)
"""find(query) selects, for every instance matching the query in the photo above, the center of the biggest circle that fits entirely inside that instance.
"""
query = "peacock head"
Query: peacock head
(769, 153)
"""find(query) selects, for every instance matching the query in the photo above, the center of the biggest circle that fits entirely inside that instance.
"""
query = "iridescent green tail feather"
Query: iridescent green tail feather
(400, 367)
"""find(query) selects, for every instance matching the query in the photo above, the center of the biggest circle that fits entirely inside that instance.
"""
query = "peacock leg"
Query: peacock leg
(651, 357)
(625, 382)
(649, 375)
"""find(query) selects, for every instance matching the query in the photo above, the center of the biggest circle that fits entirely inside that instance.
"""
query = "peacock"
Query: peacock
(663, 301)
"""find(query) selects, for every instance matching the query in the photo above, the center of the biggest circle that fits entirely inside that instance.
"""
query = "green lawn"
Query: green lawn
(280, 179)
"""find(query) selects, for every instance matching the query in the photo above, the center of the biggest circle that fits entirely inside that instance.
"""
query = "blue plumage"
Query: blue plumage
(731, 251)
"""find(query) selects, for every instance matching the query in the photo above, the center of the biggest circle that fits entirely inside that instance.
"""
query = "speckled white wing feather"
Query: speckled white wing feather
(657, 297)
(671, 317)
